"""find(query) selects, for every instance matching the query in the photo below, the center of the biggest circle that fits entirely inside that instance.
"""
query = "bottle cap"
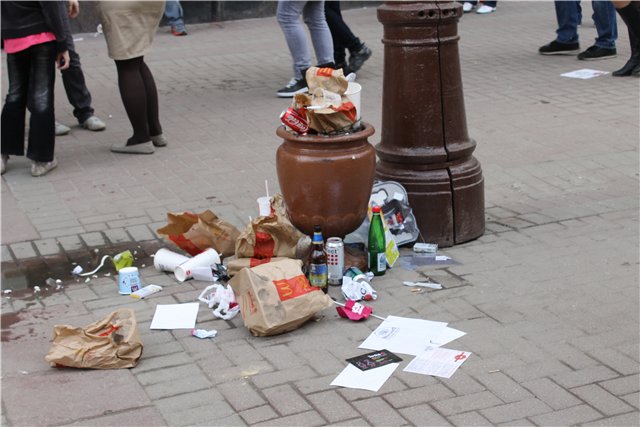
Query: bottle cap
(375, 209)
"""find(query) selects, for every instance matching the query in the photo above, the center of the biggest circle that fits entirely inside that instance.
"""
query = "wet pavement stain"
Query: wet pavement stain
(26, 275)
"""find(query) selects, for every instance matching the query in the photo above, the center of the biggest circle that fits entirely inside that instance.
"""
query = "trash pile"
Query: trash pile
(277, 278)
(331, 106)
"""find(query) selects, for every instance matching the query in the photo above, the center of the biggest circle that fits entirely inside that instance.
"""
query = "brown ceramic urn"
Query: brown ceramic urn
(326, 180)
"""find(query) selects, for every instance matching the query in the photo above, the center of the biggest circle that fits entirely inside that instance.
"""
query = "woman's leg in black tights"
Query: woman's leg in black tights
(153, 113)
(42, 77)
(15, 105)
(134, 97)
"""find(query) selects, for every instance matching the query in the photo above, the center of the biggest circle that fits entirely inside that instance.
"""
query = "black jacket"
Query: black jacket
(25, 18)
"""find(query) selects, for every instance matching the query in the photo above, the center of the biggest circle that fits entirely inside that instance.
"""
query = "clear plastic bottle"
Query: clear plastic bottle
(377, 244)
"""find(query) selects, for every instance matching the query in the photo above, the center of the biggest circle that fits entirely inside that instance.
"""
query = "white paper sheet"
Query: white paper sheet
(371, 379)
(440, 362)
(584, 73)
(175, 316)
(404, 335)
(448, 334)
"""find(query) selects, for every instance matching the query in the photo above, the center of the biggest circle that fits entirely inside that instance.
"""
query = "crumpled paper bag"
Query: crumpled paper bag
(277, 297)
(194, 233)
(111, 343)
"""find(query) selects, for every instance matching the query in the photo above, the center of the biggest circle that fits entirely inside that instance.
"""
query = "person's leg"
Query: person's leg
(313, 15)
(174, 14)
(604, 16)
(76, 88)
(338, 34)
(153, 111)
(134, 97)
(490, 3)
(14, 109)
(288, 16)
(630, 14)
(40, 103)
(567, 17)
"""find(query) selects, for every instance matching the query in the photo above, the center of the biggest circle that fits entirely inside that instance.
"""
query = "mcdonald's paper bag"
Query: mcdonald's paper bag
(194, 233)
(276, 297)
(111, 343)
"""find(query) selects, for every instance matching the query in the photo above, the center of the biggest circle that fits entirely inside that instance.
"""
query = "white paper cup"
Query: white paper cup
(264, 206)
(128, 280)
(166, 260)
(207, 258)
(353, 93)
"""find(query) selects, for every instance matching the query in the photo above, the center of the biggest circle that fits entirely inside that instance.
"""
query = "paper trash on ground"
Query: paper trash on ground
(440, 362)
(404, 335)
(175, 316)
(371, 379)
(584, 74)
(448, 334)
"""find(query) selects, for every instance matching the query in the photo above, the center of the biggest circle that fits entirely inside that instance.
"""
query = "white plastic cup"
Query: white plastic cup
(128, 280)
(264, 206)
(208, 258)
(166, 260)
(353, 93)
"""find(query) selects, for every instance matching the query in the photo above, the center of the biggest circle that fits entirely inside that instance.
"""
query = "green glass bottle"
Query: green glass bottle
(318, 261)
(377, 244)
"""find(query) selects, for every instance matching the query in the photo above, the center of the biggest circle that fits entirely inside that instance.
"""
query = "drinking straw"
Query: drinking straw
(266, 186)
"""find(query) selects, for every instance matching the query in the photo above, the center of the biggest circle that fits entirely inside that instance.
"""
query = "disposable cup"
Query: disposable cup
(128, 280)
(353, 93)
(264, 206)
(166, 260)
(208, 258)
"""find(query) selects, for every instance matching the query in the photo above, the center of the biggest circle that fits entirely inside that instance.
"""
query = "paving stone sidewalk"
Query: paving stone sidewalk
(548, 296)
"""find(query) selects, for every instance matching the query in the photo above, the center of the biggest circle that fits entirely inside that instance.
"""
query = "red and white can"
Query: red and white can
(335, 260)
(294, 120)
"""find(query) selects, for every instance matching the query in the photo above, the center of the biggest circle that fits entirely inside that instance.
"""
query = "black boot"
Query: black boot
(631, 17)
(634, 61)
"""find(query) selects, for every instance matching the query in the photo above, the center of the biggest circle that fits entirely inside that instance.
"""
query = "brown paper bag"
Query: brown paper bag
(276, 297)
(234, 265)
(269, 236)
(194, 233)
(326, 78)
(113, 342)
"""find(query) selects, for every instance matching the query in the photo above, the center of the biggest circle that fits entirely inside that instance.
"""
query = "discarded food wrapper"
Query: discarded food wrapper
(202, 333)
(277, 297)
(146, 291)
(430, 285)
(111, 343)
(354, 310)
(425, 248)
(221, 299)
(194, 233)
(357, 290)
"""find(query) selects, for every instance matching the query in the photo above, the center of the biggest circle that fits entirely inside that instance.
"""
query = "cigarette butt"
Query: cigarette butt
(494, 371)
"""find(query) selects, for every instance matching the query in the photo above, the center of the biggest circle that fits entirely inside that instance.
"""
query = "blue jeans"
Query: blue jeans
(486, 3)
(288, 16)
(173, 13)
(568, 14)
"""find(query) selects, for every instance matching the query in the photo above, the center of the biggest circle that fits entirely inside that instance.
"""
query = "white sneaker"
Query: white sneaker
(93, 123)
(42, 168)
(62, 129)
(485, 9)
(467, 7)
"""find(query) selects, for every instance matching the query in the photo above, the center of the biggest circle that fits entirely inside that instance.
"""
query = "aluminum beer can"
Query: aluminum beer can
(294, 120)
(335, 260)
(356, 274)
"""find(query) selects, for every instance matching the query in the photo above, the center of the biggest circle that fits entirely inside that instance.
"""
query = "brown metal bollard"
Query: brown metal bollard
(424, 141)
